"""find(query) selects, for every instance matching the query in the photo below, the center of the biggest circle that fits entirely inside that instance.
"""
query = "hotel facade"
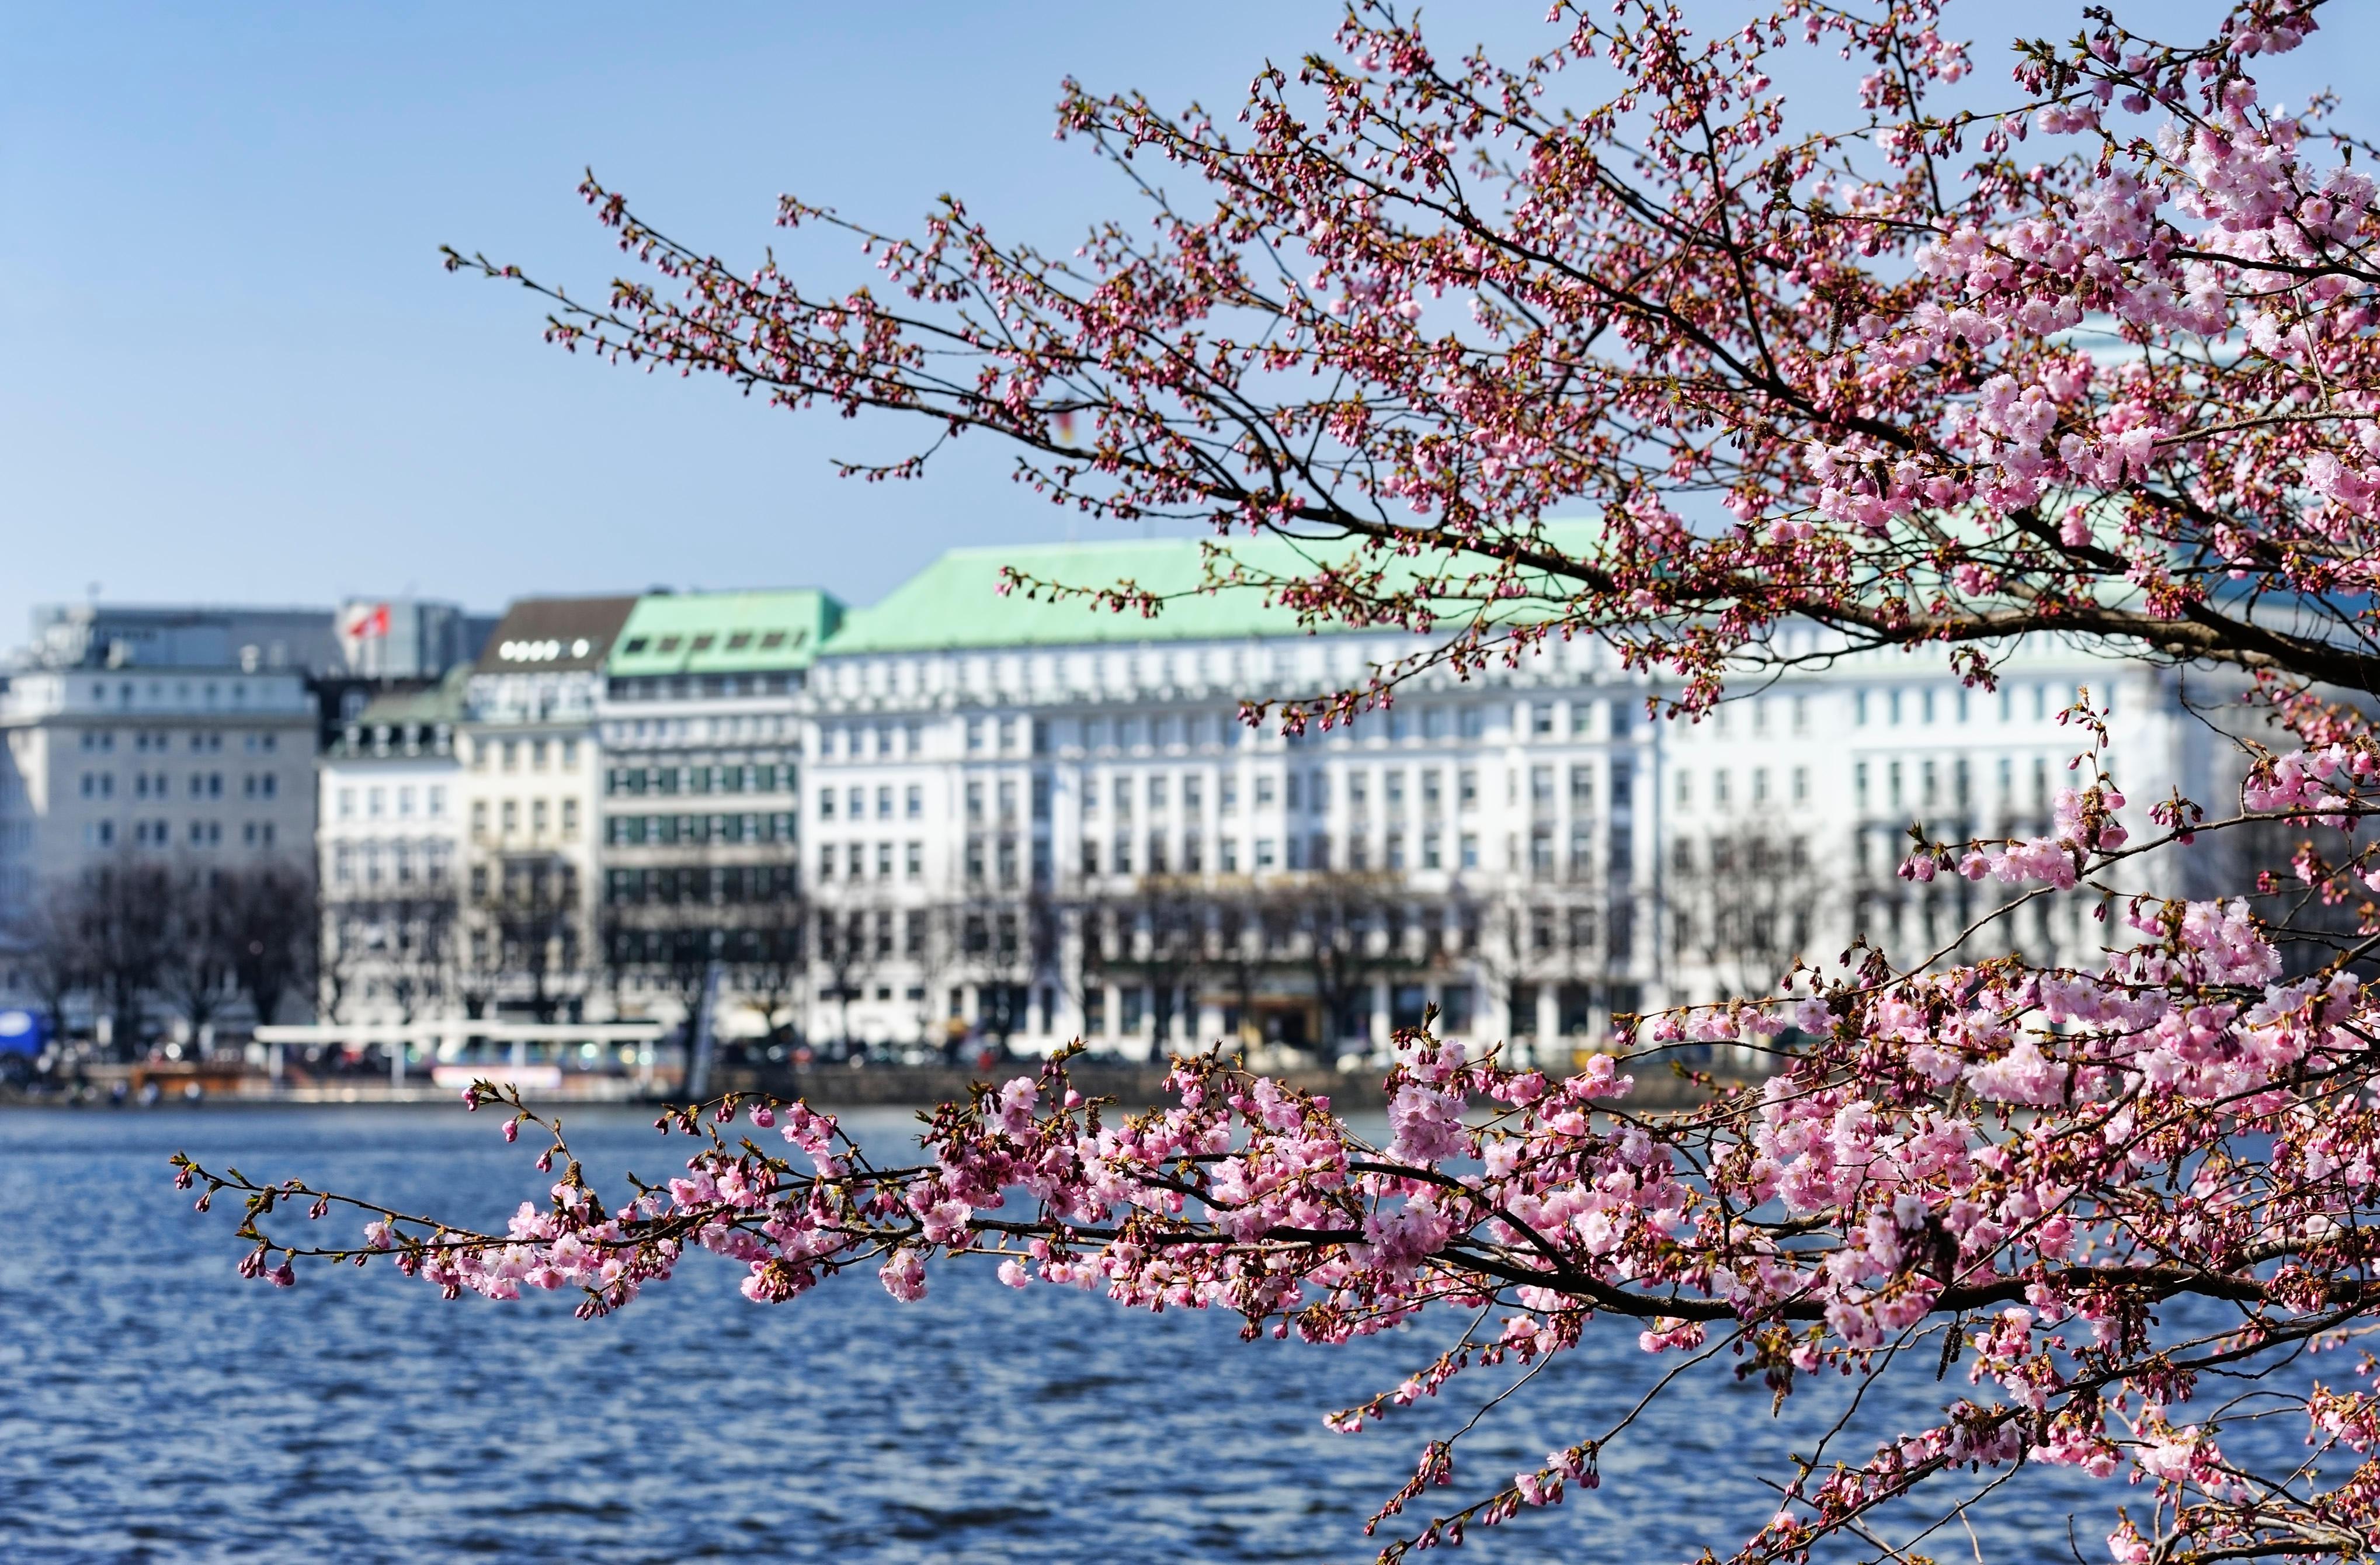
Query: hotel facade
(958, 820)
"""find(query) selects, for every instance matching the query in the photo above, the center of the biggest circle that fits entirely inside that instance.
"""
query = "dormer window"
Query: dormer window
(635, 644)
(666, 644)
(774, 640)
(701, 644)
(740, 640)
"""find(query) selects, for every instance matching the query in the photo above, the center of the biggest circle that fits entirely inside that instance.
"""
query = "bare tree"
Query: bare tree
(772, 958)
(275, 933)
(843, 958)
(53, 948)
(126, 917)
(1741, 900)
(669, 931)
(196, 976)
(527, 919)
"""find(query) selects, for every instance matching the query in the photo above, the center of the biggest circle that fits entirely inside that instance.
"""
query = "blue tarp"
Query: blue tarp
(22, 1032)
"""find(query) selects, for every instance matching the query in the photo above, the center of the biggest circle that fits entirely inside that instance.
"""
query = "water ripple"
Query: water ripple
(158, 1408)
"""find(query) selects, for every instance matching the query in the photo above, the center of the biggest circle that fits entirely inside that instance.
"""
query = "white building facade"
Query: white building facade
(1034, 822)
(391, 846)
(528, 786)
(211, 765)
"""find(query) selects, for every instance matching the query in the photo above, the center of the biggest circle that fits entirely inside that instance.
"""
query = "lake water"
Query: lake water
(155, 1407)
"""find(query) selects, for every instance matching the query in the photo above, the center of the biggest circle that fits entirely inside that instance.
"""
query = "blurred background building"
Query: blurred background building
(957, 820)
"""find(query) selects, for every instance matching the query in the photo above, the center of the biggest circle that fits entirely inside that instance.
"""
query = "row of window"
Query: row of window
(645, 831)
(183, 689)
(696, 686)
(692, 948)
(160, 785)
(1428, 850)
(905, 739)
(854, 801)
(377, 801)
(762, 777)
(1929, 704)
(855, 858)
(541, 816)
(150, 833)
(542, 755)
(701, 883)
(1899, 784)
(147, 741)
(399, 863)
(1759, 789)
(739, 727)
(1428, 789)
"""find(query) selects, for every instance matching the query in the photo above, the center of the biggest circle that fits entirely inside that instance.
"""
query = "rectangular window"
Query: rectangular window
(570, 818)
(1470, 850)
(1466, 792)
(913, 860)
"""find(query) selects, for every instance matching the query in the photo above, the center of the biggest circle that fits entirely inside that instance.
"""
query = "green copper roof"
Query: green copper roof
(724, 632)
(955, 602)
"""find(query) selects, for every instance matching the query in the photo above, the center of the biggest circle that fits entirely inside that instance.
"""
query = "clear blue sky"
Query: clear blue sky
(231, 368)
